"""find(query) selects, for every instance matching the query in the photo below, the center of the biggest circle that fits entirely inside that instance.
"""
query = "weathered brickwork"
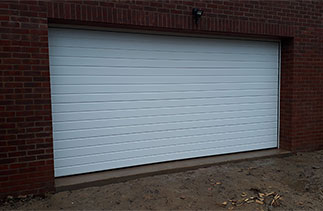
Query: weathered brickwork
(26, 145)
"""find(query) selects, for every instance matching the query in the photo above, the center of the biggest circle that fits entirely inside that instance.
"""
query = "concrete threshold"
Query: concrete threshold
(120, 175)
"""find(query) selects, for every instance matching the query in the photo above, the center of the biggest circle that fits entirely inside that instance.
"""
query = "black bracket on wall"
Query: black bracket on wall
(197, 14)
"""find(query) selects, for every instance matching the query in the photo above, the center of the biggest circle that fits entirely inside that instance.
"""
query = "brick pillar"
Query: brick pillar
(26, 149)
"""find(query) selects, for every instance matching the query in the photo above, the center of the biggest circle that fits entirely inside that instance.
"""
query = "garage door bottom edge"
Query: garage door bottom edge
(120, 175)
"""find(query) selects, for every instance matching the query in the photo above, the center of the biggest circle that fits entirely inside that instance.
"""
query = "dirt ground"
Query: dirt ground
(288, 183)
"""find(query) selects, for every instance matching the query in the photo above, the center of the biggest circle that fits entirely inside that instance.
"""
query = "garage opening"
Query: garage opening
(126, 99)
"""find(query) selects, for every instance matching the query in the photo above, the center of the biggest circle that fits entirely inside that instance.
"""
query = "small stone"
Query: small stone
(22, 196)
(261, 195)
(259, 202)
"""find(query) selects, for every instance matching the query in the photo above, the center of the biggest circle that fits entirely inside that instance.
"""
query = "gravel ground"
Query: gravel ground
(288, 183)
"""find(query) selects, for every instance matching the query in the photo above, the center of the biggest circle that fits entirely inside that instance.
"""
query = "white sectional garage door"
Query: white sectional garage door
(125, 99)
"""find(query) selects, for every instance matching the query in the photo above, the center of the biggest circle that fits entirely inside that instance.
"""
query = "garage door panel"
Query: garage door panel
(151, 151)
(151, 148)
(165, 43)
(156, 55)
(97, 80)
(132, 50)
(146, 128)
(71, 116)
(169, 137)
(166, 145)
(146, 152)
(157, 158)
(108, 106)
(101, 123)
(97, 89)
(159, 135)
(189, 63)
(124, 99)
(136, 71)
(106, 97)
(64, 35)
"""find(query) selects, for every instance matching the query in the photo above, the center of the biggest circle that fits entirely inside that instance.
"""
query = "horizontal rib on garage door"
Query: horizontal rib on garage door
(123, 99)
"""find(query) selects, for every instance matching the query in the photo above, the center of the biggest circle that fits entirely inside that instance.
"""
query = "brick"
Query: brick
(18, 165)
(8, 148)
(46, 145)
(8, 160)
(36, 152)
(27, 170)
(26, 159)
(8, 172)
(17, 154)
(42, 157)
(26, 147)
(37, 163)
(3, 155)
(4, 178)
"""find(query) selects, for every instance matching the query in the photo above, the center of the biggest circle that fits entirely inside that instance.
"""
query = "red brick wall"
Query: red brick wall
(26, 151)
